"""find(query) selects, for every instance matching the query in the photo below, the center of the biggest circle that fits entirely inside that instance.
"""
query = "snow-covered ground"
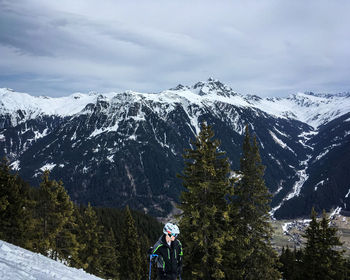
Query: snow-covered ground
(19, 264)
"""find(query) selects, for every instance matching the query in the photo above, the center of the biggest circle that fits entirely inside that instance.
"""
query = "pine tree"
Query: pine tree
(330, 242)
(89, 235)
(145, 245)
(249, 212)
(66, 245)
(16, 209)
(311, 254)
(204, 204)
(290, 264)
(321, 259)
(130, 253)
(55, 221)
(109, 256)
(76, 229)
(47, 227)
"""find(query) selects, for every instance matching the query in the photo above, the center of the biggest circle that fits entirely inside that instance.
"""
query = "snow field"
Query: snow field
(20, 264)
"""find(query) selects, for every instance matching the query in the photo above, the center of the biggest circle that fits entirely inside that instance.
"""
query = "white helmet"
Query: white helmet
(171, 229)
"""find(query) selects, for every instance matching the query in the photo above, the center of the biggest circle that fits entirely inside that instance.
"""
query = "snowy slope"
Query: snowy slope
(310, 108)
(313, 109)
(19, 264)
(11, 101)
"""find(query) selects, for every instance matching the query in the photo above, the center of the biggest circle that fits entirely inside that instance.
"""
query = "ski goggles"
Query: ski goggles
(172, 234)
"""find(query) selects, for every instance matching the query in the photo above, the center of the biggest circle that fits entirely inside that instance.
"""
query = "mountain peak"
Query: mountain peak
(213, 86)
(179, 87)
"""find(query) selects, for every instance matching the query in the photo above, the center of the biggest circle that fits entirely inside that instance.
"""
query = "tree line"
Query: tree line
(109, 243)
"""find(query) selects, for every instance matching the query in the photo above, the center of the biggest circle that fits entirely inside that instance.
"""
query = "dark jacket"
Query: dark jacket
(169, 260)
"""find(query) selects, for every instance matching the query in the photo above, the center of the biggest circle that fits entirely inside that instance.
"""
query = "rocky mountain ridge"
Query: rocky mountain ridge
(124, 148)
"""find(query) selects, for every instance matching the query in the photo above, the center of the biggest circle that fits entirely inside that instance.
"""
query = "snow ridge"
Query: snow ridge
(306, 107)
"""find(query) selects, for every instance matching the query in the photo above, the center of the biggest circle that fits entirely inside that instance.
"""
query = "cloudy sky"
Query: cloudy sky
(268, 48)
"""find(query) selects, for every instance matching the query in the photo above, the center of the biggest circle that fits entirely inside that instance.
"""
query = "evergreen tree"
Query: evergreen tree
(16, 209)
(290, 264)
(55, 221)
(145, 245)
(109, 256)
(330, 246)
(321, 259)
(347, 269)
(204, 221)
(254, 256)
(311, 254)
(66, 245)
(298, 268)
(130, 253)
(47, 227)
(89, 235)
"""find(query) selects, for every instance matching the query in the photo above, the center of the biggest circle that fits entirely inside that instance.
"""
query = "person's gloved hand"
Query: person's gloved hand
(150, 251)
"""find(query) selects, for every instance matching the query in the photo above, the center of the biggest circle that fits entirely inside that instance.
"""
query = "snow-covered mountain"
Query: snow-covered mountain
(310, 108)
(124, 148)
(20, 264)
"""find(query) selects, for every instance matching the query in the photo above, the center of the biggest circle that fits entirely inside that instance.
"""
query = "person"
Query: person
(168, 251)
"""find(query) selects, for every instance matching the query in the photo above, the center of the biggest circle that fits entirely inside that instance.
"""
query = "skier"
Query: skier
(168, 252)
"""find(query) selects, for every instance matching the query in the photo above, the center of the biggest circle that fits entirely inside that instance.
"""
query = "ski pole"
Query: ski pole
(150, 264)
(150, 267)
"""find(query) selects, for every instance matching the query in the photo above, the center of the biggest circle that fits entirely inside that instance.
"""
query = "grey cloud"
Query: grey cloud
(263, 47)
